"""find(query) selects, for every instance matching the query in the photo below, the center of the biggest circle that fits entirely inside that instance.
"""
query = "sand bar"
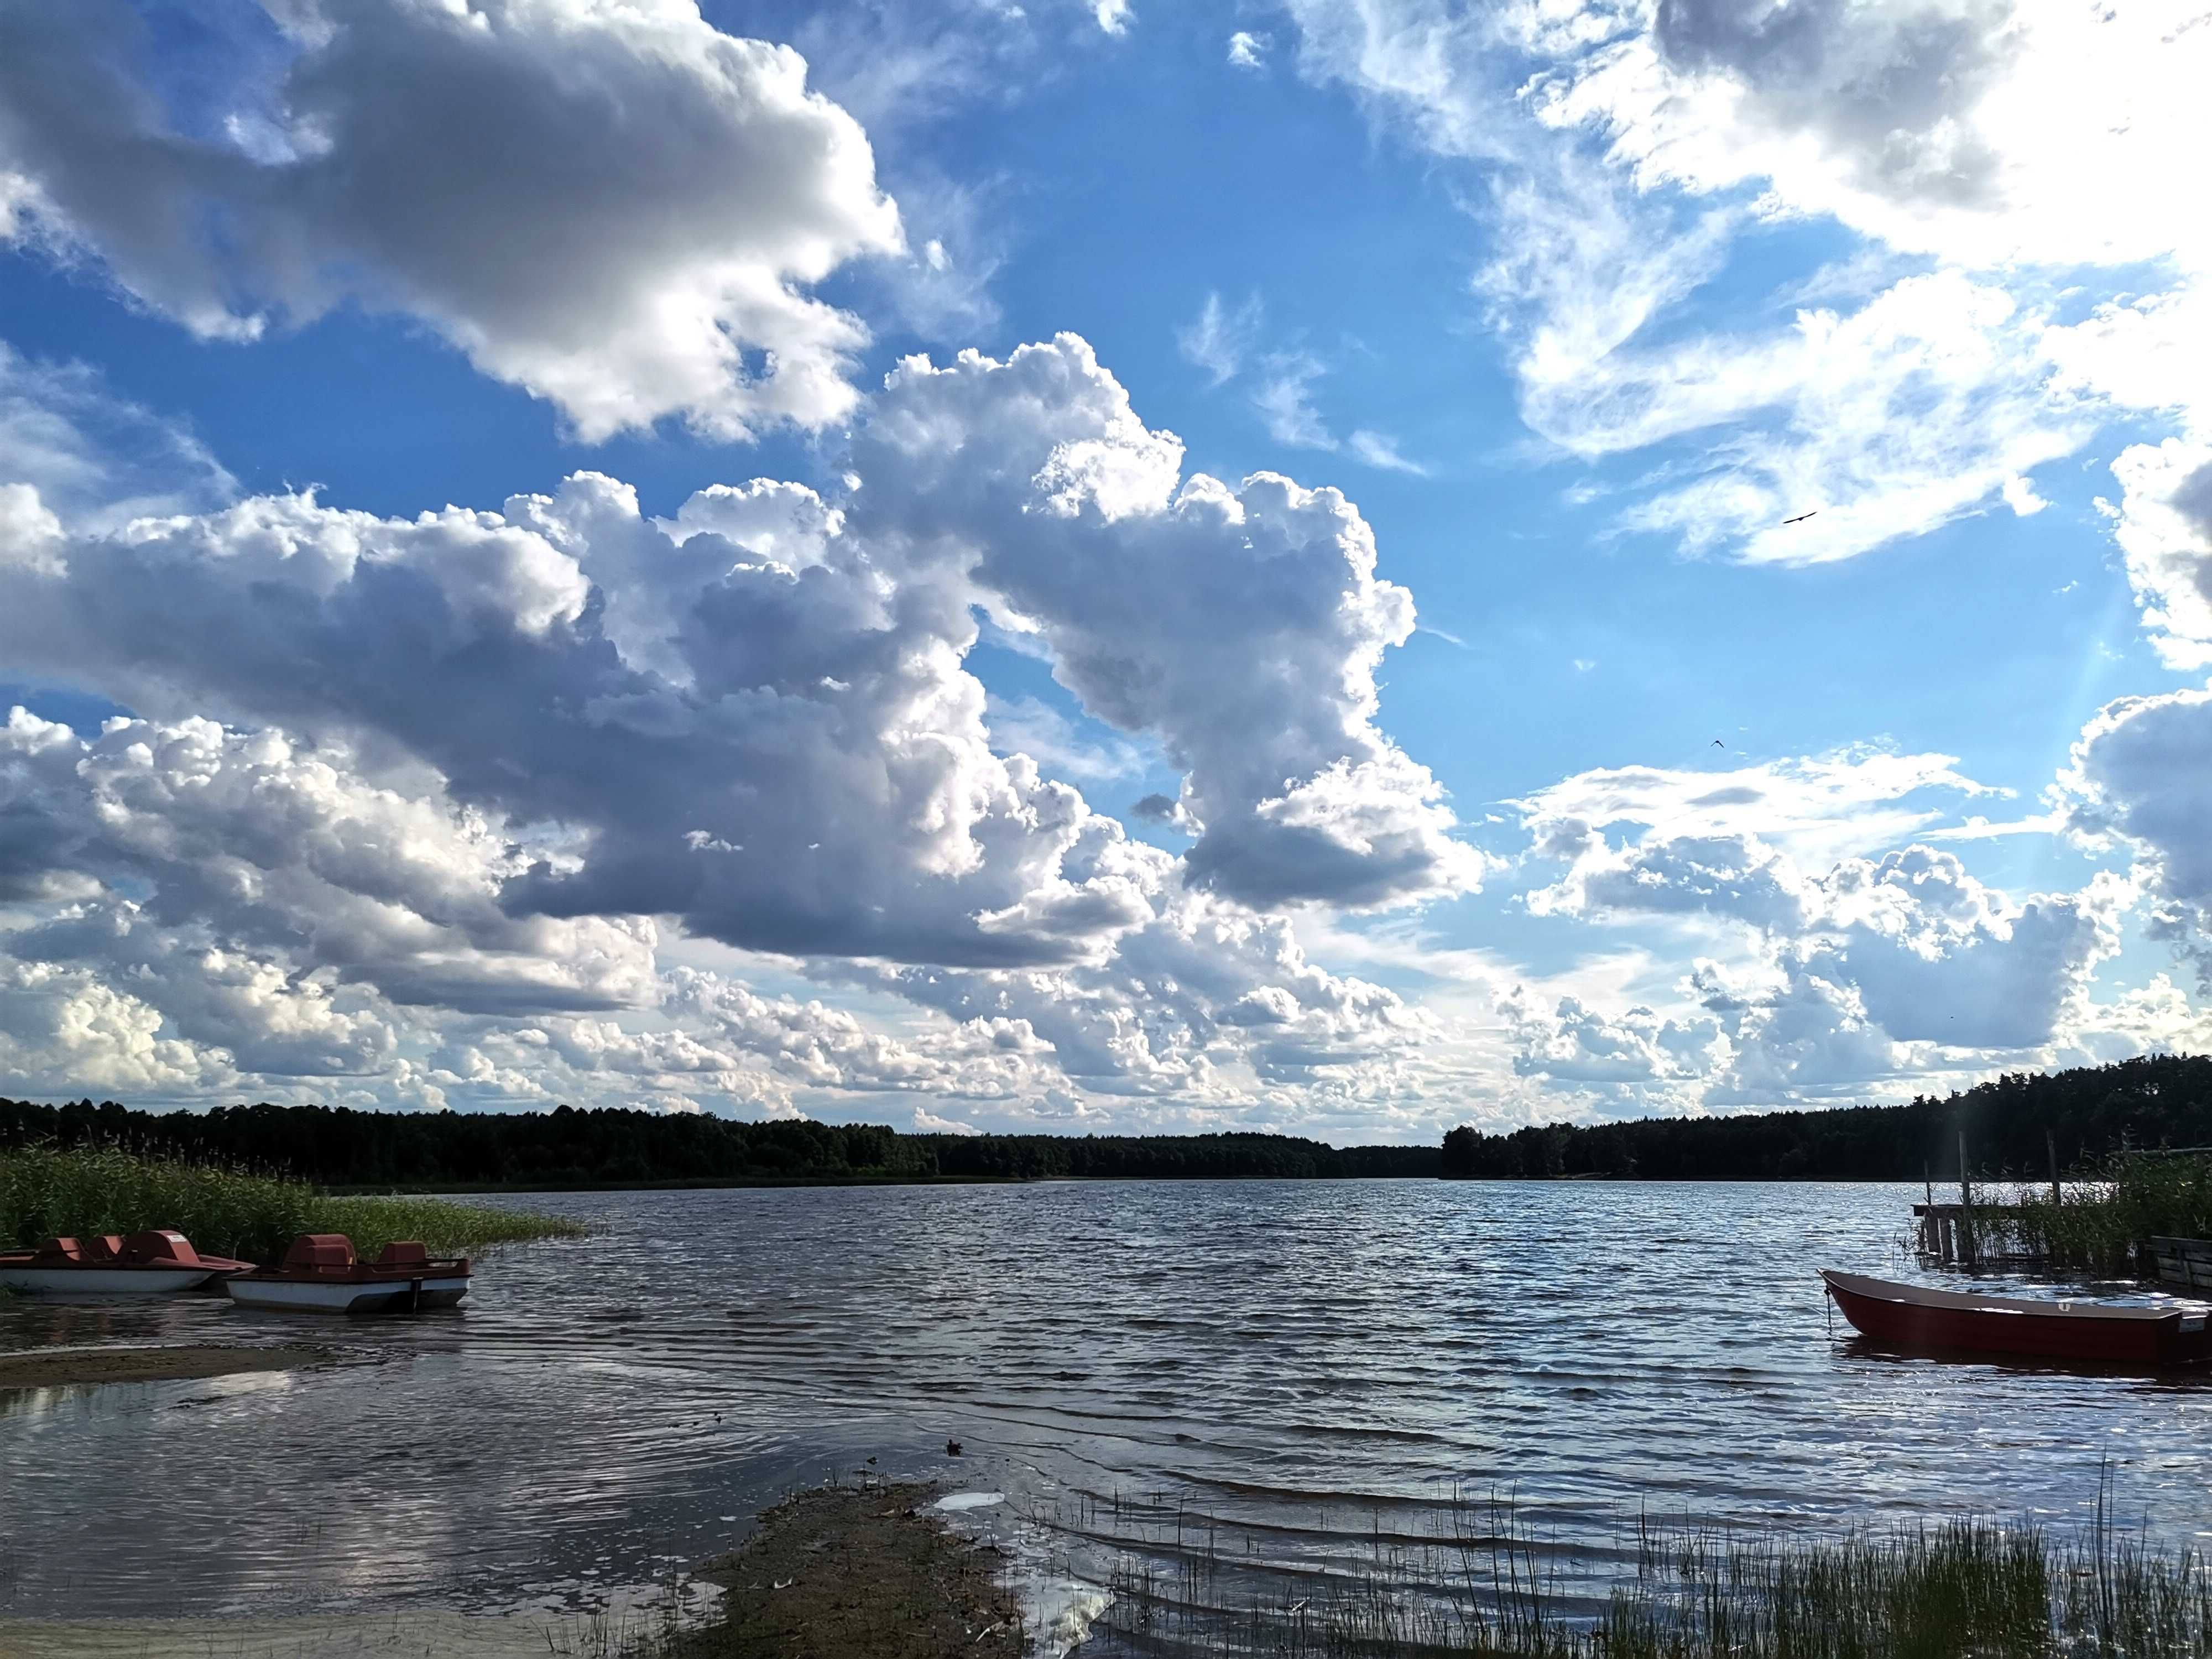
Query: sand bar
(56, 1368)
(865, 1573)
(423, 1635)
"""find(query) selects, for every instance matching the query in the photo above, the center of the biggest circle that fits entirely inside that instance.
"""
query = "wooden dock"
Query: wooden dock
(1983, 1236)
(1979, 1236)
(1963, 1235)
(2184, 1264)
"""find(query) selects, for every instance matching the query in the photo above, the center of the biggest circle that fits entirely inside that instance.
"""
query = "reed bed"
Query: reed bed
(47, 1191)
(1965, 1588)
(2099, 1226)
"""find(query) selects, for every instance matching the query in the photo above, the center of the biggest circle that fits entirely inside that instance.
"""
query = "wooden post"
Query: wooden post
(1966, 1251)
(2051, 1146)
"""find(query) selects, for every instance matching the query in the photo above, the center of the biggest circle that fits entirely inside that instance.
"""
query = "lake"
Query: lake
(1298, 1369)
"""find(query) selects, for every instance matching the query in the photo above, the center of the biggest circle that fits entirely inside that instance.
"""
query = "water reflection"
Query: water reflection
(1307, 1366)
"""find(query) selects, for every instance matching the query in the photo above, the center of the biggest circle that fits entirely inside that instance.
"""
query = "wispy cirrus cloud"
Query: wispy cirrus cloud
(1625, 151)
(1219, 339)
(1227, 344)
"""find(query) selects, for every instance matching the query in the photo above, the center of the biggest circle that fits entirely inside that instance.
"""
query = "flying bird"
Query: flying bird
(1800, 518)
(1718, 743)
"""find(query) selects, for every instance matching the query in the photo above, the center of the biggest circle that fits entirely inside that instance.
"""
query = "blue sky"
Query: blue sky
(423, 703)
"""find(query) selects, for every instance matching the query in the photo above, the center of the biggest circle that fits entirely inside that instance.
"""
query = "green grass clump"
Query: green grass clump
(46, 1192)
(443, 1226)
(1963, 1589)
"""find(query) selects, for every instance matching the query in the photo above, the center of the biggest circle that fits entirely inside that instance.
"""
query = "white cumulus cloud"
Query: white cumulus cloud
(416, 807)
(615, 206)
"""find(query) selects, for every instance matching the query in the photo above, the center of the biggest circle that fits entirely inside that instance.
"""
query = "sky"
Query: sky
(1343, 566)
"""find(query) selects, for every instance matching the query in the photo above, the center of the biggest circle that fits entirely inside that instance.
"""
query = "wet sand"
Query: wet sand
(361, 1636)
(56, 1368)
(836, 1573)
(859, 1573)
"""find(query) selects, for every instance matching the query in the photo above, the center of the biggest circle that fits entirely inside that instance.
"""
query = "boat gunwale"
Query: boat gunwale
(363, 1273)
(213, 1264)
(1959, 1301)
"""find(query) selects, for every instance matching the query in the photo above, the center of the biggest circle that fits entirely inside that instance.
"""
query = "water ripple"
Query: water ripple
(1293, 1374)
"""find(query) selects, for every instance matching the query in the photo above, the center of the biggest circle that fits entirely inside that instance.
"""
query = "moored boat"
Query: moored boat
(152, 1263)
(1926, 1320)
(321, 1275)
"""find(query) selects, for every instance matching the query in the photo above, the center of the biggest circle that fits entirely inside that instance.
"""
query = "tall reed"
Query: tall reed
(47, 1191)
(2099, 1226)
(1965, 1588)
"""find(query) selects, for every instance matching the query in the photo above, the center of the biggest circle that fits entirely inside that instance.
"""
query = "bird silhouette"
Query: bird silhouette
(1718, 743)
(1800, 518)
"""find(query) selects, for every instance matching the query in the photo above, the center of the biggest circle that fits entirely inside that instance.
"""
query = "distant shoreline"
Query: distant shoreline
(2072, 1124)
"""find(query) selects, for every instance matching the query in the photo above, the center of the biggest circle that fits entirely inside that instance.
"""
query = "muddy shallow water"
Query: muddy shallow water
(1304, 1365)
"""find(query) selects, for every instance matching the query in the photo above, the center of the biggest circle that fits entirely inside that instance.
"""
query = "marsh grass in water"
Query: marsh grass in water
(2099, 1226)
(48, 1191)
(1486, 1589)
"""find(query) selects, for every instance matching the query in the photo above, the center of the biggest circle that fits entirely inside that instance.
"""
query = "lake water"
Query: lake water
(1304, 1365)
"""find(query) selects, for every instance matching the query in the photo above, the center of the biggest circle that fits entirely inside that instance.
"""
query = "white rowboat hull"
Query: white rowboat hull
(102, 1281)
(348, 1296)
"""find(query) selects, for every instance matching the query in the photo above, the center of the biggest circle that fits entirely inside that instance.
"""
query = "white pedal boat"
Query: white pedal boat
(321, 1274)
(145, 1264)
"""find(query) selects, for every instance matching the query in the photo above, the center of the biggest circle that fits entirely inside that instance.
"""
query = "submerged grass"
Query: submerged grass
(1966, 1589)
(46, 1191)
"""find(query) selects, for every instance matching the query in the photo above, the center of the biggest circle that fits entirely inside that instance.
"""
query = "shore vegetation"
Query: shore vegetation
(86, 1191)
(2101, 1227)
(1962, 1588)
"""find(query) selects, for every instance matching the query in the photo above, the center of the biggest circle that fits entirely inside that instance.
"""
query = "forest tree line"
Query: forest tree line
(2087, 1114)
(2011, 1125)
(337, 1147)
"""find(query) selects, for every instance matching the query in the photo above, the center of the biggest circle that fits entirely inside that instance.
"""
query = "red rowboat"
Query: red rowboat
(321, 1275)
(144, 1264)
(2095, 1333)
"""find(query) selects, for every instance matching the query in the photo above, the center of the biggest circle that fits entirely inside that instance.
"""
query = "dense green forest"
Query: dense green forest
(2091, 1113)
(338, 1147)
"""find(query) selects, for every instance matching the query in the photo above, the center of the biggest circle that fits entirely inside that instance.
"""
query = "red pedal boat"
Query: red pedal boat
(144, 1264)
(321, 1274)
(1919, 1317)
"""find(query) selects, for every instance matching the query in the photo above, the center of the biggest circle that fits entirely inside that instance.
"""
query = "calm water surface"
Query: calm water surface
(1307, 1365)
